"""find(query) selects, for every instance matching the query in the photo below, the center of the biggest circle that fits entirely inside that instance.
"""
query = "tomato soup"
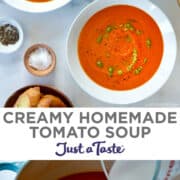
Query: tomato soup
(86, 176)
(120, 47)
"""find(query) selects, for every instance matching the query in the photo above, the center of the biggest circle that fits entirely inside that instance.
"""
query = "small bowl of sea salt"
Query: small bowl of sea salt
(40, 60)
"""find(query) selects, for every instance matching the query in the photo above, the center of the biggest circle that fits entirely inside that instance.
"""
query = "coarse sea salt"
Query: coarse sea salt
(40, 59)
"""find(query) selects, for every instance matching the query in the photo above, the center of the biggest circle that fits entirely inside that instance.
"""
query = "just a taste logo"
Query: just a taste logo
(97, 148)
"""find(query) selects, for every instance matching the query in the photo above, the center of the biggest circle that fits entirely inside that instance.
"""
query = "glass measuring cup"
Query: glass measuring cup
(141, 170)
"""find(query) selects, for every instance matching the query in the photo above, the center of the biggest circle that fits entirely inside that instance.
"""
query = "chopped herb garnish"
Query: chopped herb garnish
(131, 28)
(134, 55)
(110, 71)
(109, 29)
(99, 63)
(145, 60)
(120, 72)
(148, 43)
(99, 39)
(128, 25)
(138, 32)
(134, 59)
(130, 67)
(138, 70)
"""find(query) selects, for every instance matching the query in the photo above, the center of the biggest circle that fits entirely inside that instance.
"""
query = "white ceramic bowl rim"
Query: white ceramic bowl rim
(141, 92)
(16, 46)
(28, 6)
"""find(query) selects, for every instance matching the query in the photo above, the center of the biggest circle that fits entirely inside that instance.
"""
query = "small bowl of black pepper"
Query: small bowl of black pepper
(11, 35)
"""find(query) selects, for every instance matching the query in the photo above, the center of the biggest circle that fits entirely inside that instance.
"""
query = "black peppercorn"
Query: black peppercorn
(8, 34)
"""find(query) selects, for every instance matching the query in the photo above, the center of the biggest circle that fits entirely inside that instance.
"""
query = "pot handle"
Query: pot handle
(14, 166)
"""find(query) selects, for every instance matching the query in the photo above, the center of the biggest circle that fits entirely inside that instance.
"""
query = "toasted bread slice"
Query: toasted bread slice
(34, 95)
(50, 101)
(23, 102)
(29, 98)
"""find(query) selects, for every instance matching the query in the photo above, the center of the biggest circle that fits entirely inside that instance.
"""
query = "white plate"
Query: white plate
(129, 96)
(36, 7)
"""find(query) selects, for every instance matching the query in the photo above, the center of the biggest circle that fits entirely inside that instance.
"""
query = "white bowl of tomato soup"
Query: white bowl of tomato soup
(121, 51)
(37, 6)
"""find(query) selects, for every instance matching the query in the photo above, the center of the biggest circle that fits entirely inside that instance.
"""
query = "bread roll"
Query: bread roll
(50, 101)
(29, 98)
